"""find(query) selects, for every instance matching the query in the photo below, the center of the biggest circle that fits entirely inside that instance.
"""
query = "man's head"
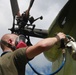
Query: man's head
(13, 42)
(10, 39)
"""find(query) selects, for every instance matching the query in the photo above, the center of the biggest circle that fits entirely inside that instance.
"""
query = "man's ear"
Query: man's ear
(10, 41)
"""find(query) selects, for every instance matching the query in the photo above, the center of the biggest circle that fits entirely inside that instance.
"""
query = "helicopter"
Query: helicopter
(22, 22)
(64, 22)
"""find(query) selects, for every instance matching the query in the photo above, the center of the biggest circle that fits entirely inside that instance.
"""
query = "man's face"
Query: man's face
(13, 39)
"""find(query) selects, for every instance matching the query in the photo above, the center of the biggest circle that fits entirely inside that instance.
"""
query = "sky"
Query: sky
(46, 8)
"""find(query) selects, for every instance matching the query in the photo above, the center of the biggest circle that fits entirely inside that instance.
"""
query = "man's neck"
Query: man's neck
(7, 50)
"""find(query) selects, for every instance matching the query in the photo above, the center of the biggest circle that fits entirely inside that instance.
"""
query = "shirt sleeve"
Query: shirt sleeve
(19, 56)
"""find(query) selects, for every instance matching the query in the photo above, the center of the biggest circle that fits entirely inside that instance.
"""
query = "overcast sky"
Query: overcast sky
(46, 8)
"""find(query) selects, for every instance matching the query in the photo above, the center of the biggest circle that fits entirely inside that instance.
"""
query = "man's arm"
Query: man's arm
(43, 45)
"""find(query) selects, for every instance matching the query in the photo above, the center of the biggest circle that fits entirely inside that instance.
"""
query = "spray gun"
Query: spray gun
(71, 45)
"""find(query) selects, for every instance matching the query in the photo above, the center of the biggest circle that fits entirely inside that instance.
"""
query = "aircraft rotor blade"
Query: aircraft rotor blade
(15, 7)
(31, 3)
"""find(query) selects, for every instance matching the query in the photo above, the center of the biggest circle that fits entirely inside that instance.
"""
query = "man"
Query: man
(13, 61)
